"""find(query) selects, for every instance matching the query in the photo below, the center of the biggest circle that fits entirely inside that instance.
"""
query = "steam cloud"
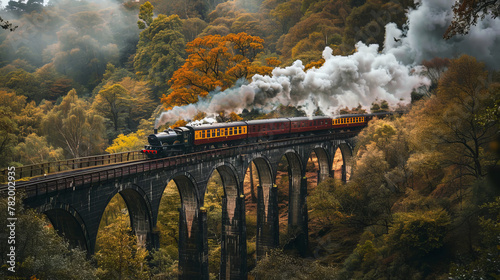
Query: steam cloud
(424, 38)
(363, 77)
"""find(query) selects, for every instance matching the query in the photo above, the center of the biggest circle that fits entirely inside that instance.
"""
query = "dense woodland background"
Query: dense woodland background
(81, 78)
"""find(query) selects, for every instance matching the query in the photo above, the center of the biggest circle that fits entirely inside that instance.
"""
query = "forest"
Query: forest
(85, 77)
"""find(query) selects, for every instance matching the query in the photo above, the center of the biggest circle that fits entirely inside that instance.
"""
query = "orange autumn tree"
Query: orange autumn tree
(216, 62)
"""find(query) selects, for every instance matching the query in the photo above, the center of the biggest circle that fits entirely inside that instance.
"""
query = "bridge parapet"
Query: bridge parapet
(71, 164)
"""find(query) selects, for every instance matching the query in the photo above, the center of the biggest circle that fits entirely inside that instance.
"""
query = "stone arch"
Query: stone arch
(297, 216)
(233, 243)
(140, 214)
(347, 154)
(295, 175)
(68, 223)
(323, 162)
(267, 208)
(193, 250)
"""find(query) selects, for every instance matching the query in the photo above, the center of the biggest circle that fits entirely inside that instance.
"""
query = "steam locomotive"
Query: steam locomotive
(187, 139)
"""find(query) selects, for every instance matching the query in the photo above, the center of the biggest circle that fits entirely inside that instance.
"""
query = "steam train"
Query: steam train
(186, 139)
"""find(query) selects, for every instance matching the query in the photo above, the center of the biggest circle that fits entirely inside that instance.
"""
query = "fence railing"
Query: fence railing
(44, 186)
(70, 164)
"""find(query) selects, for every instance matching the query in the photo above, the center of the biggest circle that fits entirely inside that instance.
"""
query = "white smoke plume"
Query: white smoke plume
(424, 37)
(366, 75)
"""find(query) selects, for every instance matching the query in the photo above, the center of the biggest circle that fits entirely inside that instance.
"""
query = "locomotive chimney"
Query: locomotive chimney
(155, 131)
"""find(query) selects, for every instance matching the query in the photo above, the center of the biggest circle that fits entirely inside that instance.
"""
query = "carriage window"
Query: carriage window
(218, 132)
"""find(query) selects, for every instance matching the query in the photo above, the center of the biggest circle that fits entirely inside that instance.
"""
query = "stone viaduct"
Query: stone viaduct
(75, 204)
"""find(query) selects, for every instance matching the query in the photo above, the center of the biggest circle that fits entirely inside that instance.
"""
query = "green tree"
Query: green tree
(312, 34)
(163, 266)
(30, 119)
(8, 138)
(141, 97)
(72, 126)
(119, 256)
(419, 232)
(287, 14)
(278, 265)
(11, 107)
(192, 27)
(160, 51)
(113, 102)
(40, 252)
(35, 149)
(24, 83)
(464, 93)
(168, 219)
(485, 264)
(146, 15)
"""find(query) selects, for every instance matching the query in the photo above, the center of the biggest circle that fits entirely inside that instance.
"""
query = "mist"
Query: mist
(69, 34)
(424, 38)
